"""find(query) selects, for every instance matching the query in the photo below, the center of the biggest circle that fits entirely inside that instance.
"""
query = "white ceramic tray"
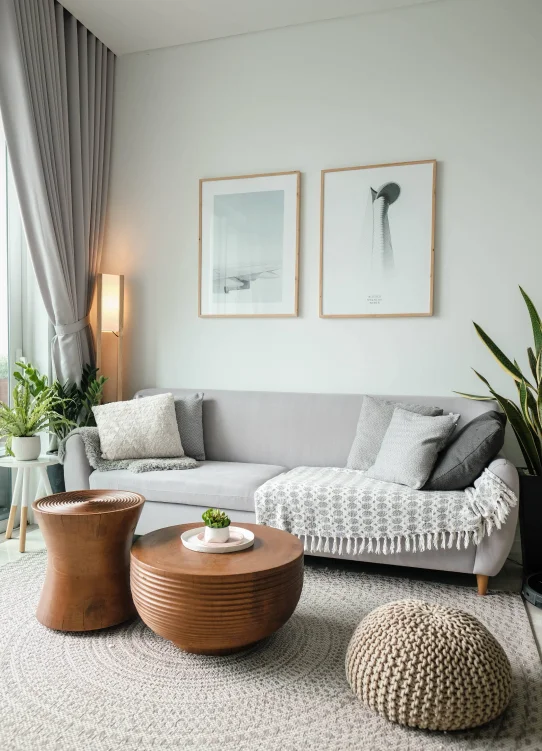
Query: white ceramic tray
(240, 539)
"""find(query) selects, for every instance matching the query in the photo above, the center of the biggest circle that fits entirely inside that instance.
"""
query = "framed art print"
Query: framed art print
(377, 228)
(249, 245)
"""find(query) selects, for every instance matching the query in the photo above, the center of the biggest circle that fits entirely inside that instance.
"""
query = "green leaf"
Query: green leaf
(476, 397)
(524, 402)
(484, 380)
(532, 363)
(527, 442)
(506, 364)
(535, 321)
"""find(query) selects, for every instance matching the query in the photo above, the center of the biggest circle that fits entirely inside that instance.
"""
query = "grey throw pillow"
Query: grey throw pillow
(410, 447)
(374, 419)
(189, 414)
(474, 446)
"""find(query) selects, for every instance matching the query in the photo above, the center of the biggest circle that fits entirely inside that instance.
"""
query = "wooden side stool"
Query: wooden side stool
(21, 492)
(88, 534)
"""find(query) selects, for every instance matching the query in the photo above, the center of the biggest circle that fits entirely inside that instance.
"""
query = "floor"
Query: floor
(509, 578)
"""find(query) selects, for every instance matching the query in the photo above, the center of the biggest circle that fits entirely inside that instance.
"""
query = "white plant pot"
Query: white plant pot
(26, 449)
(216, 535)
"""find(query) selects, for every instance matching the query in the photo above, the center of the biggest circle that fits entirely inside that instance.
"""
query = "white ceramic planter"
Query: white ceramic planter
(216, 535)
(26, 449)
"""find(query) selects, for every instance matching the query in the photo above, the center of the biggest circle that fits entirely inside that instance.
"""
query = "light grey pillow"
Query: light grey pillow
(410, 448)
(189, 414)
(374, 419)
(139, 429)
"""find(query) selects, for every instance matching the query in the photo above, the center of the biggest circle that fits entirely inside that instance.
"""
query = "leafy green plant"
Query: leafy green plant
(34, 409)
(215, 518)
(73, 403)
(76, 402)
(525, 418)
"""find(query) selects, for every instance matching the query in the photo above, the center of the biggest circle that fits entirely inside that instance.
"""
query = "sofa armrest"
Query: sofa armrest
(507, 472)
(493, 551)
(77, 469)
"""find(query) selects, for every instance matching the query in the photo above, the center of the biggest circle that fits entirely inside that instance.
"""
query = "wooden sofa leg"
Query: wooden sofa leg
(482, 580)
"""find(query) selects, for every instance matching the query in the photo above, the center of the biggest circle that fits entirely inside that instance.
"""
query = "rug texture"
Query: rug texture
(126, 688)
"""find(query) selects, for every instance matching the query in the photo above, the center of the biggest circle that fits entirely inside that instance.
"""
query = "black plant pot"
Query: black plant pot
(530, 522)
(56, 478)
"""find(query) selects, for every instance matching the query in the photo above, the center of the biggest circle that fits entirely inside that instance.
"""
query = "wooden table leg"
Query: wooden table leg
(14, 503)
(24, 509)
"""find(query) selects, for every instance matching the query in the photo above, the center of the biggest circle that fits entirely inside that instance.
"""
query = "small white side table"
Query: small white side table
(21, 491)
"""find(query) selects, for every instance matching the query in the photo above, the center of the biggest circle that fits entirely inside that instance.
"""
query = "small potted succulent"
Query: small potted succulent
(217, 525)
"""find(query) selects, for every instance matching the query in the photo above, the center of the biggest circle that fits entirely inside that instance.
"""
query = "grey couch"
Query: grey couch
(253, 436)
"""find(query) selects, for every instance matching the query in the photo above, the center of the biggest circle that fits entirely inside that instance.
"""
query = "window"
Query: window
(24, 325)
(5, 475)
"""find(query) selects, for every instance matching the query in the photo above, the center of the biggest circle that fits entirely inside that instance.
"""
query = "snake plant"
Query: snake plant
(526, 416)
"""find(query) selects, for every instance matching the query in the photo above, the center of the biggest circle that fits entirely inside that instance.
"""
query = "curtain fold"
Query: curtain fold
(56, 100)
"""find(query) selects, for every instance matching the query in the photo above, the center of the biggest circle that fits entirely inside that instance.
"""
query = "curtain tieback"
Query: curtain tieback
(72, 328)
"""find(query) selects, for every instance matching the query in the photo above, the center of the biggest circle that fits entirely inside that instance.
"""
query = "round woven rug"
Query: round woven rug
(125, 688)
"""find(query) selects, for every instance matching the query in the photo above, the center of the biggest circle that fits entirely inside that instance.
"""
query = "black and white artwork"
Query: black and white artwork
(377, 240)
(249, 245)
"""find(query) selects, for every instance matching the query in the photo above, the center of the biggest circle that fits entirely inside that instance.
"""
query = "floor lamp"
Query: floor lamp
(110, 318)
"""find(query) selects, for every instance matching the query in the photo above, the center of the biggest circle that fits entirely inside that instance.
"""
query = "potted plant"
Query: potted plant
(217, 525)
(73, 405)
(525, 417)
(33, 412)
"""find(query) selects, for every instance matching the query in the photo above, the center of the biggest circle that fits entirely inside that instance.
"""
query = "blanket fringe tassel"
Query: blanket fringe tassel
(483, 521)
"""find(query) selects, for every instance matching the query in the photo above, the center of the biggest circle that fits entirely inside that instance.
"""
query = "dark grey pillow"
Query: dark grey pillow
(189, 414)
(374, 419)
(474, 446)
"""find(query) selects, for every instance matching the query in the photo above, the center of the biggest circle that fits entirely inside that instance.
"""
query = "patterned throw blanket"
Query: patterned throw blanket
(91, 442)
(341, 510)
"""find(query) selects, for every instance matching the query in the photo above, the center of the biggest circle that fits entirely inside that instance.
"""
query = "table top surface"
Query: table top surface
(41, 461)
(85, 502)
(163, 550)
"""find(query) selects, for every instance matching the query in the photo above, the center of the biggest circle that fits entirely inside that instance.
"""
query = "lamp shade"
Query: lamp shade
(111, 302)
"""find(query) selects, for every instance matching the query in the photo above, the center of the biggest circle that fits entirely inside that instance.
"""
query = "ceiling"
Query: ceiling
(137, 25)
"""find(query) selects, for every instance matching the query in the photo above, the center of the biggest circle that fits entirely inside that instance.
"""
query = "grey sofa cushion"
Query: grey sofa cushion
(374, 419)
(410, 447)
(226, 485)
(474, 446)
(189, 414)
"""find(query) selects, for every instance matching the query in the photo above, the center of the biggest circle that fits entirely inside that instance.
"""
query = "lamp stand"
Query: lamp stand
(119, 334)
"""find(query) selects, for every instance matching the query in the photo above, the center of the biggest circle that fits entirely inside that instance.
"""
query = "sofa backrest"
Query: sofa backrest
(294, 430)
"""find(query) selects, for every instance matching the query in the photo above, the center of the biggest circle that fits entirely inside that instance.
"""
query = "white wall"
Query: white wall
(459, 81)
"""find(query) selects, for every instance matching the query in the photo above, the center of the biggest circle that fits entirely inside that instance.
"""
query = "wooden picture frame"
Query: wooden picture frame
(235, 284)
(330, 308)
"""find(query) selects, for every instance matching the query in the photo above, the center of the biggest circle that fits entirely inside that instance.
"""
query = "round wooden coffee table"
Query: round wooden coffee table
(215, 604)
(88, 534)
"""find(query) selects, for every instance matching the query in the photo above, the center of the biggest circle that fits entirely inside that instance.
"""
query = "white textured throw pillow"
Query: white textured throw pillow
(139, 429)
(410, 447)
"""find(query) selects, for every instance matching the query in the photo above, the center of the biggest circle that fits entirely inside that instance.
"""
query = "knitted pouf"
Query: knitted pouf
(428, 666)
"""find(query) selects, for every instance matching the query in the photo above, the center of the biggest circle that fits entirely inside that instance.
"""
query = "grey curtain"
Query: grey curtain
(56, 100)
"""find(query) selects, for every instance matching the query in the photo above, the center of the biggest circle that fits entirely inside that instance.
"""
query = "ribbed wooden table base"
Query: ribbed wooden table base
(216, 604)
(88, 535)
